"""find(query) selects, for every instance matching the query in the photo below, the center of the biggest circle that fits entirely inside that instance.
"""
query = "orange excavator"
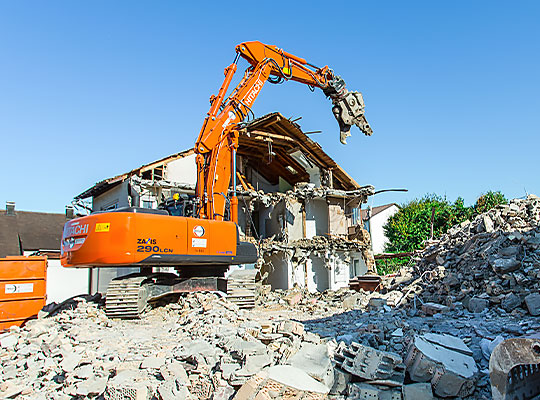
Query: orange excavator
(200, 244)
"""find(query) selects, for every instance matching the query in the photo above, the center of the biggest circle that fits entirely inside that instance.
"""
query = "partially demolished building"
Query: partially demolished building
(295, 202)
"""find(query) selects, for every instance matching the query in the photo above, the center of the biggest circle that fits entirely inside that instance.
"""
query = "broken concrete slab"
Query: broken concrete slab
(172, 389)
(314, 359)
(448, 341)
(153, 362)
(371, 364)
(174, 370)
(92, 386)
(361, 390)
(533, 304)
(434, 308)
(417, 391)
(279, 382)
(341, 381)
(70, 361)
(510, 302)
(450, 372)
(477, 305)
(8, 340)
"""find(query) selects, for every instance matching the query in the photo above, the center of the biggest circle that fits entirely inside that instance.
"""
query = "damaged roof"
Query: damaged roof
(273, 133)
(376, 210)
(30, 231)
(107, 184)
(273, 145)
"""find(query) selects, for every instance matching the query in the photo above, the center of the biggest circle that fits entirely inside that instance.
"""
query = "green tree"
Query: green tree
(489, 200)
(411, 225)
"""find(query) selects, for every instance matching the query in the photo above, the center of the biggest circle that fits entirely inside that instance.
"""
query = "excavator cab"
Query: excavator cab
(180, 205)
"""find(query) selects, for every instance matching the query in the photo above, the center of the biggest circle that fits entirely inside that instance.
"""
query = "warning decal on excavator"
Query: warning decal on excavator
(198, 242)
(103, 226)
(19, 288)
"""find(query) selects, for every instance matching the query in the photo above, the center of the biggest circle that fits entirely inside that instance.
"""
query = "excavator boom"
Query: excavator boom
(218, 140)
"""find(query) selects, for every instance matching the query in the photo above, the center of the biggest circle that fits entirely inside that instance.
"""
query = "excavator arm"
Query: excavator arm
(218, 140)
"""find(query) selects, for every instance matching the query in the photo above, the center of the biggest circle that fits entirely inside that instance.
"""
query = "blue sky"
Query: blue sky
(89, 90)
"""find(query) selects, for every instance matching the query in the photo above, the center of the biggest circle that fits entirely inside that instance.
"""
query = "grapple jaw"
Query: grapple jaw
(514, 369)
(348, 109)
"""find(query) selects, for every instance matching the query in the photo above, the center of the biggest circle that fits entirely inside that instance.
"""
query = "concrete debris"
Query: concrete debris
(492, 262)
(533, 303)
(377, 366)
(282, 382)
(417, 391)
(477, 304)
(367, 391)
(428, 333)
(450, 372)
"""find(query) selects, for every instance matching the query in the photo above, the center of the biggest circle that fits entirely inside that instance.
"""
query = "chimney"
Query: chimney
(10, 208)
(69, 212)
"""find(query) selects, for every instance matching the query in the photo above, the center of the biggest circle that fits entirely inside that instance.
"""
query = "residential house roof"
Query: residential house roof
(272, 133)
(376, 210)
(108, 183)
(27, 230)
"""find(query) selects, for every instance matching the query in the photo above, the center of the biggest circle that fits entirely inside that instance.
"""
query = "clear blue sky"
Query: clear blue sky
(89, 90)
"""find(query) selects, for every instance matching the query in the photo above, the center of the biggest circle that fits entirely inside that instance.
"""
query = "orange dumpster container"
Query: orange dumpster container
(22, 289)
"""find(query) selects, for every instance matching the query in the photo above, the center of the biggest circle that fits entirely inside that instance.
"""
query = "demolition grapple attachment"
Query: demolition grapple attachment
(348, 109)
(514, 369)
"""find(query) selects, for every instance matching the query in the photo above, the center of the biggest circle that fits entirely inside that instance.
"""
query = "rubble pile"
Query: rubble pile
(200, 348)
(205, 347)
(492, 261)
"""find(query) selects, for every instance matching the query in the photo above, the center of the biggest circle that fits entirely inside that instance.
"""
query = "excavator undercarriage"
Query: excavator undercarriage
(131, 295)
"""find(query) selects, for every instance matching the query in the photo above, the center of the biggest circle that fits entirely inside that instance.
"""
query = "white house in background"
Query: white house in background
(375, 219)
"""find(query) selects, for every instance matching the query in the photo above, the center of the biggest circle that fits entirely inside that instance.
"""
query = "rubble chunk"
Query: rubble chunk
(274, 382)
(450, 372)
(477, 305)
(361, 390)
(533, 303)
(371, 364)
(417, 391)
(314, 359)
(510, 302)
(433, 308)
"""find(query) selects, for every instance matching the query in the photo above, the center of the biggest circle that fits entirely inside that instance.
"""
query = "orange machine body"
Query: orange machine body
(113, 239)
(22, 289)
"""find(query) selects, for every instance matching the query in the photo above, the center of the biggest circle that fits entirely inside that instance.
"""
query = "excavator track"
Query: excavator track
(127, 298)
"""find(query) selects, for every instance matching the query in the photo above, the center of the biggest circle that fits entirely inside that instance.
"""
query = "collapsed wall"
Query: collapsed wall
(492, 261)
(307, 236)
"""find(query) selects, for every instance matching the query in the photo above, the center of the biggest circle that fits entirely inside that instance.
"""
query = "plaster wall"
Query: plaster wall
(182, 170)
(295, 228)
(336, 217)
(117, 194)
(63, 283)
(377, 222)
(317, 211)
